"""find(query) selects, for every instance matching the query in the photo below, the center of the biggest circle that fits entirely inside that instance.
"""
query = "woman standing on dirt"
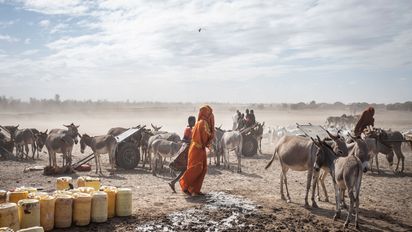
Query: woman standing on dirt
(202, 136)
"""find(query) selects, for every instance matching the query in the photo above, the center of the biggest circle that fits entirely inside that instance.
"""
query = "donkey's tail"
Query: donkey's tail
(273, 158)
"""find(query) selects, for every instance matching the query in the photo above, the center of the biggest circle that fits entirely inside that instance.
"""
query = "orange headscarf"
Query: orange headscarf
(206, 113)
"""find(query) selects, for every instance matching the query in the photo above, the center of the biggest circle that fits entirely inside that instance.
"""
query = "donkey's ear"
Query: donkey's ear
(46, 131)
(315, 142)
(319, 140)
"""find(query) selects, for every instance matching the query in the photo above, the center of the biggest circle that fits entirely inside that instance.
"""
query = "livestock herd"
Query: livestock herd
(344, 158)
(154, 145)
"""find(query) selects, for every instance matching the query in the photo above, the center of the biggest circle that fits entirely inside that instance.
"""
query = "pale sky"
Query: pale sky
(247, 51)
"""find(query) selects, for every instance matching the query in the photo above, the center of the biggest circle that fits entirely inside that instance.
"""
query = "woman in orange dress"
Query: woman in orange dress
(202, 136)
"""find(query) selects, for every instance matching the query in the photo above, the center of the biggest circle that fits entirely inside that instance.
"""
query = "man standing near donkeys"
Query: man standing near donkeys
(202, 136)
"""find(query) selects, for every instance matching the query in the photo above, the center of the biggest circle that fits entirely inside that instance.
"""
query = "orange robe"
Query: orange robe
(193, 177)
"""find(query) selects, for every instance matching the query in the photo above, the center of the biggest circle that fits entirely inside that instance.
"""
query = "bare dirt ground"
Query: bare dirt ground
(247, 201)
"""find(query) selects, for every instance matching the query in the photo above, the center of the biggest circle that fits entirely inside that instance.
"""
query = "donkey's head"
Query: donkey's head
(323, 154)
(83, 142)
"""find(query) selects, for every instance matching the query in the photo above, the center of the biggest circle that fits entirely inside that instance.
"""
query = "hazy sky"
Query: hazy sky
(247, 50)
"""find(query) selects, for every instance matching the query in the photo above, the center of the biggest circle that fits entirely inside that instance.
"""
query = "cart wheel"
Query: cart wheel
(127, 156)
(250, 146)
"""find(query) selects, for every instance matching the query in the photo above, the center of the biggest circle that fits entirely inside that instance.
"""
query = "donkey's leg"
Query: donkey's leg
(111, 159)
(33, 150)
(239, 160)
(337, 201)
(371, 162)
(54, 160)
(50, 157)
(377, 162)
(286, 186)
(308, 185)
(226, 158)
(96, 160)
(315, 179)
(352, 199)
(317, 185)
(282, 196)
(400, 157)
(100, 165)
(26, 147)
(322, 182)
(153, 163)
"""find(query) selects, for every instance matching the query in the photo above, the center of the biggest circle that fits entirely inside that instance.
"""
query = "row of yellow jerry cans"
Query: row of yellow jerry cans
(64, 208)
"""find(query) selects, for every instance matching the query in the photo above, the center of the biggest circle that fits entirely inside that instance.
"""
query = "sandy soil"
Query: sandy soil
(253, 195)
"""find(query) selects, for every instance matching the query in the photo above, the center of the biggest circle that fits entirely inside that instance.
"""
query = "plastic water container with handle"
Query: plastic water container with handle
(29, 213)
(82, 209)
(111, 200)
(9, 216)
(99, 207)
(63, 211)
(124, 202)
(47, 205)
(16, 196)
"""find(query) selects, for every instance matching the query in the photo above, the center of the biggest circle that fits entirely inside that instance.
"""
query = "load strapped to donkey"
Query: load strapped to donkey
(127, 154)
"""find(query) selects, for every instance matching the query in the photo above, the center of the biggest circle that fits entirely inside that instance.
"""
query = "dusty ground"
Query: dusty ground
(247, 201)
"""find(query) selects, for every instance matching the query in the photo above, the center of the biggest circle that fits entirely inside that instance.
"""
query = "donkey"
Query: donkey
(169, 136)
(24, 137)
(62, 141)
(341, 149)
(40, 141)
(214, 151)
(388, 143)
(346, 174)
(59, 143)
(231, 141)
(259, 135)
(100, 145)
(359, 148)
(162, 148)
(144, 144)
(298, 153)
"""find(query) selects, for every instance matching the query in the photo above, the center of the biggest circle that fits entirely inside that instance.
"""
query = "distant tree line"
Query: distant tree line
(56, 104)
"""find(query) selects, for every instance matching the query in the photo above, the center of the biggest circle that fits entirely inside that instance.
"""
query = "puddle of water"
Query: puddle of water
(221, 211)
